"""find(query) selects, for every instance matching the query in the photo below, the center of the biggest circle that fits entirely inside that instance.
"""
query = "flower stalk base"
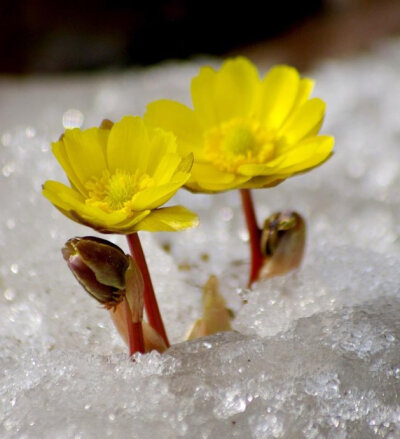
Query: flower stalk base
(150, 301)
(135, 332)
(254, 235)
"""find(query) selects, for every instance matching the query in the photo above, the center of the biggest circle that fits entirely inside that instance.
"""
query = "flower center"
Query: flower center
(115, 192)
(238, 142)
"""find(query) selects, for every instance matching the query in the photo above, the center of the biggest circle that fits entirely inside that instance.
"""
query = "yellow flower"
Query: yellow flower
(120, 175)
(246, 132)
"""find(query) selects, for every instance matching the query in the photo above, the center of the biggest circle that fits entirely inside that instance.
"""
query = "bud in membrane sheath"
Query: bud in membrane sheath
(216, 316)
(100, 268)
(282, 243)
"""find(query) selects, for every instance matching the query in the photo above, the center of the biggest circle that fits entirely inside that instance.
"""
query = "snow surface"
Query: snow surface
(315, 354)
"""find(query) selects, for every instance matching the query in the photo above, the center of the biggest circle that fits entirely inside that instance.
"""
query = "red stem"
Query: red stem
(135, 331)
(254, 235)
(150, 301)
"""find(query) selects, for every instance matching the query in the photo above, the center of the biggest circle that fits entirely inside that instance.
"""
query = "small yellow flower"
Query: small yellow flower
(120, 175)
(245, 132)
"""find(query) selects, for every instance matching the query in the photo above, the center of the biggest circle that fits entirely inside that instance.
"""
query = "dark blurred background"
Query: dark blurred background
(43, 36)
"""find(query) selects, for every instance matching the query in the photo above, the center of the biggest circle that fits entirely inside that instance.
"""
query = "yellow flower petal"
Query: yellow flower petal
(186, 163)
(205, 171)
(53, 191)
(128, 145)
(169, 219)
(50, 191)
(263, 182)
(279, 91)
(206, 178)
(166, 168)
(236, 87)
(162, 144)
(176, 117)
(69, 200)
(65, 200)
(128, 225)
(229, 93)
(305, 121)
(170, 164)
(254, 169)
(86, 151)
(202, 89)
(58, 149)
(306, 86)
(309, 153)
(154, 197)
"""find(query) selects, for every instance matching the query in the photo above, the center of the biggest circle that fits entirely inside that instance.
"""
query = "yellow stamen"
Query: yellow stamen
(238, 142)
(116, 191)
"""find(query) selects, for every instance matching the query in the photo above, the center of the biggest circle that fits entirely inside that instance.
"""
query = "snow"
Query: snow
(314, 354)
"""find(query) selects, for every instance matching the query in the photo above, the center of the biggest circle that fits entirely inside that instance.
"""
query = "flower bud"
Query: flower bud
(216, 316)
(106, 124)
(99, 266)
(282, 243)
